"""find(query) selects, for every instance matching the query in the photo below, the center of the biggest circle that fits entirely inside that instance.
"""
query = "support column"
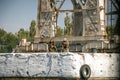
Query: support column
(102, 17)
(37, 35)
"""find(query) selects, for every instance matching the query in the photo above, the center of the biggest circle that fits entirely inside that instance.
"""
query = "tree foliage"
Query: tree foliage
(110, 31)
(2, 32)
(21, 33)
(8, 41)
(32, 29)
(29, 35)
(68, 30)
(67, 21)
(59, 31)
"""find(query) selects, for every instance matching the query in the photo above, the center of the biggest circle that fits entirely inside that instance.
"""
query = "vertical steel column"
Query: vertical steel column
(38, 20)
(111, 14)
(108, 11)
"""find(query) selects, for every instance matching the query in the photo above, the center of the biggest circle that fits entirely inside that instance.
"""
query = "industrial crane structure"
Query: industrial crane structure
(88, 17)
(89, 30)
(84, 60)
(113, 19)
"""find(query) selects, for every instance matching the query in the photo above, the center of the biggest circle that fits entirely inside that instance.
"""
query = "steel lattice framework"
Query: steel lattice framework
(89, 17)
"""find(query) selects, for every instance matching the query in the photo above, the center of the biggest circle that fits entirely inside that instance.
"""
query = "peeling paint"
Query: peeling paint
(59, 64)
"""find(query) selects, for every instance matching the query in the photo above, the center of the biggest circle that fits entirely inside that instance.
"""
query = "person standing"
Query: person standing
(65, 45)
(52, 47)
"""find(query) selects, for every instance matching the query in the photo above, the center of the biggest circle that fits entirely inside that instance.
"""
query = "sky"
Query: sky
(16, 14)
(114, 17)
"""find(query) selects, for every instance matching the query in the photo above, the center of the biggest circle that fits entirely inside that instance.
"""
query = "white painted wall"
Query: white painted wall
(58, 64)
(102, 16)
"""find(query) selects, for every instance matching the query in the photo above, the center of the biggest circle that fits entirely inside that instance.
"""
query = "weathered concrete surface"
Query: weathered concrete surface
(59, 64)
(53, 78)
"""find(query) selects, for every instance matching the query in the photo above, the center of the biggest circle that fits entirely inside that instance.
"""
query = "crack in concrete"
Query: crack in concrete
(13, 68)
(27, 61)
(6, 58)
(3, 61)
(18, 73)
(35, 75)
(49, 64)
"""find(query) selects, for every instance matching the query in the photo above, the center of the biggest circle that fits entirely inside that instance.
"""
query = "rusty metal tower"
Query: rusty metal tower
(113, 16)
(88, 17)
(46, 19)
(90, 21)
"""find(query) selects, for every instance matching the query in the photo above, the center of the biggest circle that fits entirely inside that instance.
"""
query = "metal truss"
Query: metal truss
(86, 16)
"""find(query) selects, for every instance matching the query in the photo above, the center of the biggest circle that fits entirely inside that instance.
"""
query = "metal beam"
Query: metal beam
(81, 4)
(77, 38)
(94, 27)
(118, 3)
(75, 10)
(115, 5)
(73, 2)
(61, 4)
(38, 19)
(113, 13)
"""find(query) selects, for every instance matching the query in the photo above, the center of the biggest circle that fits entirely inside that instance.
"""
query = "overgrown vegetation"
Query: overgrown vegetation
(29, 35)
(59, 32)
(8, 41)
(68, 30)
(110, 31)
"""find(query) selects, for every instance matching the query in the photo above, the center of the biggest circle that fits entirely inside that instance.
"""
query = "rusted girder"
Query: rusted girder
(61, 4)
(76, 38)
(113, 1)
(75, 10)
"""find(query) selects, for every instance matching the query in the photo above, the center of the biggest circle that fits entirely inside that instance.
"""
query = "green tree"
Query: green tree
(8, 41)
(110, 31)
(32, 29)
(68, 30)
(59, 31)
(71, 28)
(21, 33)
(11, 40)
(29, 35)
(2, 33)
(66, 22)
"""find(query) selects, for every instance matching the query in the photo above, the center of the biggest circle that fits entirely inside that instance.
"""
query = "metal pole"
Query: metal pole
(111, 18)
(107, 3)
(38, 19)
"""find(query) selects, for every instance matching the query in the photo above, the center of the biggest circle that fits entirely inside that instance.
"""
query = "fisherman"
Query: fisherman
(52, 47)
(65, 45)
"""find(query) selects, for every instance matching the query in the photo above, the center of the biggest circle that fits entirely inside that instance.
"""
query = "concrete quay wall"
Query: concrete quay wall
(66, 64)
